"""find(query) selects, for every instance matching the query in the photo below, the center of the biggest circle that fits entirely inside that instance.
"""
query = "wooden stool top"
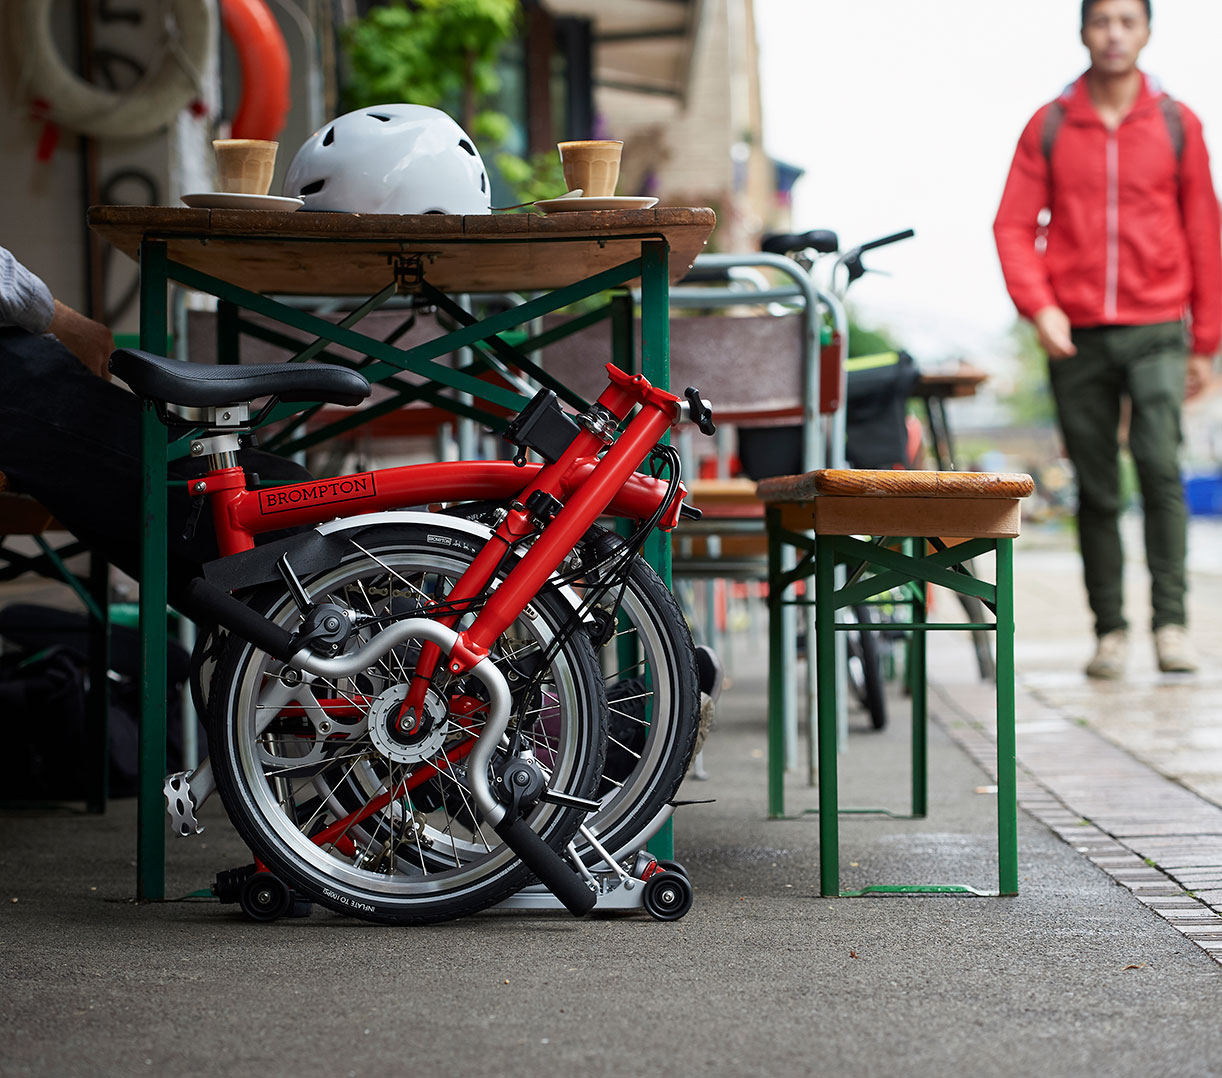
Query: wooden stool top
(22, 515)
(725, 497)
(863, 483)
(948, 505)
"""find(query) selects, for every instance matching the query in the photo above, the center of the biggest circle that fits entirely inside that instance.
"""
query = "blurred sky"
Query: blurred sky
(906, 114)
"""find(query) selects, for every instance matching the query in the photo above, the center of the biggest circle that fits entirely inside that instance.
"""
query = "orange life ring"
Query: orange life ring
(264, 58)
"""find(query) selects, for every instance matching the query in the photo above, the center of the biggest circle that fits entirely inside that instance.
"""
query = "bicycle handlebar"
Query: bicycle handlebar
(821, 240)
(907, 234)
(851, 260)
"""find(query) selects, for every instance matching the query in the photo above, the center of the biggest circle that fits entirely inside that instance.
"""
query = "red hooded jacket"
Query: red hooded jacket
(1133, 235)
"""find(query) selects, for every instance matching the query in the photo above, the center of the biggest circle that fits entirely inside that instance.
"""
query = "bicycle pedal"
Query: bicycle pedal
(181, 805)
(555, 797)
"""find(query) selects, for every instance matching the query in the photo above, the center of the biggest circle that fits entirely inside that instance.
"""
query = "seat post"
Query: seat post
(220, 444)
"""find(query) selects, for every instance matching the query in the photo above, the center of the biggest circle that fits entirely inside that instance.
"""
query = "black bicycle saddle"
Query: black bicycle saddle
(200, 385)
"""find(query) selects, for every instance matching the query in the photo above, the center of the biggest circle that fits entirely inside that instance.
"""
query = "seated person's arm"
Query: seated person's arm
(27, 303)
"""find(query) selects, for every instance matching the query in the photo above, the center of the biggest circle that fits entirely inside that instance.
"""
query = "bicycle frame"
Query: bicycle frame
(579, 483)
(550, 508)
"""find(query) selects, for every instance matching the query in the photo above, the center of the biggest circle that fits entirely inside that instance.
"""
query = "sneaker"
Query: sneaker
(709, 676)
(1174, 650)
(709, 671)
(1110, 655)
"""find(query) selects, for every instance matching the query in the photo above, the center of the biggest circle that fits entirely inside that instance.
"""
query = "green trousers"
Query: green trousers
(1146, 364)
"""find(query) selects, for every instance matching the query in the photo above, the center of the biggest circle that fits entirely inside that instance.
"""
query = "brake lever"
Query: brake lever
(700, 412)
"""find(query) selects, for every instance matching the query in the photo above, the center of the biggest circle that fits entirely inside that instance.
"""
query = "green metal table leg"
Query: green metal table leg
(655, 366)
(776, 670)
(825, 651)
(1007, 779)
(150, 856)
(920, 698)
(623, 341)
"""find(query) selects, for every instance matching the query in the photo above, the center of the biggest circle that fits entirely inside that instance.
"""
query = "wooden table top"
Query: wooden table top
(961, 381)
(351, 254)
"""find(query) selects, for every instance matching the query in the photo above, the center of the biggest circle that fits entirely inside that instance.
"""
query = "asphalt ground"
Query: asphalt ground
(1079, 974)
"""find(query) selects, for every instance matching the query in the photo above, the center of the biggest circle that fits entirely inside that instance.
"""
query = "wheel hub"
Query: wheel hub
(404, 746)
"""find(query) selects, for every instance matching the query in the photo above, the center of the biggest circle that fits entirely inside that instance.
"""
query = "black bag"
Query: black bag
(44, 682)
(42, 714)
(876, 409)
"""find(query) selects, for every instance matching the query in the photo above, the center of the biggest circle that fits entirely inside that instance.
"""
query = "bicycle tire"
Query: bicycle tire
(292, 765)
(866, 670)
(652, 731)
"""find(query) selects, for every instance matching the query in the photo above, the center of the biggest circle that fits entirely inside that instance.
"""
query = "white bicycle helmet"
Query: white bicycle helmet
(390, 159)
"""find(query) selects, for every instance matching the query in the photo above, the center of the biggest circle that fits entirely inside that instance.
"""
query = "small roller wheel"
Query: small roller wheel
(265, 897)
(668, 896)
(673, 866)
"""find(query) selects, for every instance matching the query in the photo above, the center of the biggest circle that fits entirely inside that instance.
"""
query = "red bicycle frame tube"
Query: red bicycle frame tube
(240, 514)
(585, 485)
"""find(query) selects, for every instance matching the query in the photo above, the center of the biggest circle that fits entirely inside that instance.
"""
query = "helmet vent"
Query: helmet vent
(483, 183)
(467, 146)
(312, 188)
(378, 116)
(329, 137)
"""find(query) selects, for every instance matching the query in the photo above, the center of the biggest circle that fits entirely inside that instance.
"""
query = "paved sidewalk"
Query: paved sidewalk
(1074, 976)
(1128, 772)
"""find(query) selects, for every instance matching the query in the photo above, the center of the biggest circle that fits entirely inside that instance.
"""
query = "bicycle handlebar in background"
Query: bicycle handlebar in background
(782, 243)
(851, 260)
(895, 237)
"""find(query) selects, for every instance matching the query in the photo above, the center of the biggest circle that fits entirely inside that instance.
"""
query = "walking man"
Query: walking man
(1108, 234)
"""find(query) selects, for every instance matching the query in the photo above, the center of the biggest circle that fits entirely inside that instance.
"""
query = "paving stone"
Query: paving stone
(1201, 934)
(1181, 900)
(1184, 915)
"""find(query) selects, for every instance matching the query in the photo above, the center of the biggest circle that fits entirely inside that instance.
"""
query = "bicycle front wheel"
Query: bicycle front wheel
(335, 800)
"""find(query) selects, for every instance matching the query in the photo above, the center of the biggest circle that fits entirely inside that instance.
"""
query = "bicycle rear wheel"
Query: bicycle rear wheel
(334, 800)
(653, 696)
(649, 668)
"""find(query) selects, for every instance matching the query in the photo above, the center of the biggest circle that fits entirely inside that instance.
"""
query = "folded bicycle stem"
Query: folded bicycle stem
(214, 604)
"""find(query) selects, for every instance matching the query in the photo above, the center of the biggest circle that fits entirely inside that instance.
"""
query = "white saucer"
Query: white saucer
(612, 202)
(226, 200)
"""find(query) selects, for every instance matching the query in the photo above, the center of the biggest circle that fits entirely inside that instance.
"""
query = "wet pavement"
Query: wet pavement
(1104, 964)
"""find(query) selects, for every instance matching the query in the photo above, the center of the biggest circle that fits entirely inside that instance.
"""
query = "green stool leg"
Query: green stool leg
(1007, 779)
(98, 703)
(918, 669)
(825, 651)
(776, 672)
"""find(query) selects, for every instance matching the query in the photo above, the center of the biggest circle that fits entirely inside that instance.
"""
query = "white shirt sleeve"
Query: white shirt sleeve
(24, 300)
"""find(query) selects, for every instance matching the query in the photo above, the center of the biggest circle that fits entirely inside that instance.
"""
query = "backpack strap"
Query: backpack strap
(1171, 117)
(1052, 124)
(1175, 124)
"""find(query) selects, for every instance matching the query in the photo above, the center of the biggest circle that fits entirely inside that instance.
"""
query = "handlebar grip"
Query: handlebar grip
(907, 234)
(781, 243)
(206, 602)
(553, 871)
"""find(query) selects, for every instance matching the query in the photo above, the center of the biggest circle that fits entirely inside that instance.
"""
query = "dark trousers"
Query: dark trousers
(1146, 364)
(72, 441)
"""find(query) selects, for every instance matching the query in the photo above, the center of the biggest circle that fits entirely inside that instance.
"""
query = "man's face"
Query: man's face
(1115, 33)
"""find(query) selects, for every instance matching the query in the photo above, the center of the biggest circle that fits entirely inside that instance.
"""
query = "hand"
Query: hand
(1198, 376)
(1052, 327)
(90, 341)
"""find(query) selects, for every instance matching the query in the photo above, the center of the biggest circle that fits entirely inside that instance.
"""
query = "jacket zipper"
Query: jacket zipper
(1113, 227)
